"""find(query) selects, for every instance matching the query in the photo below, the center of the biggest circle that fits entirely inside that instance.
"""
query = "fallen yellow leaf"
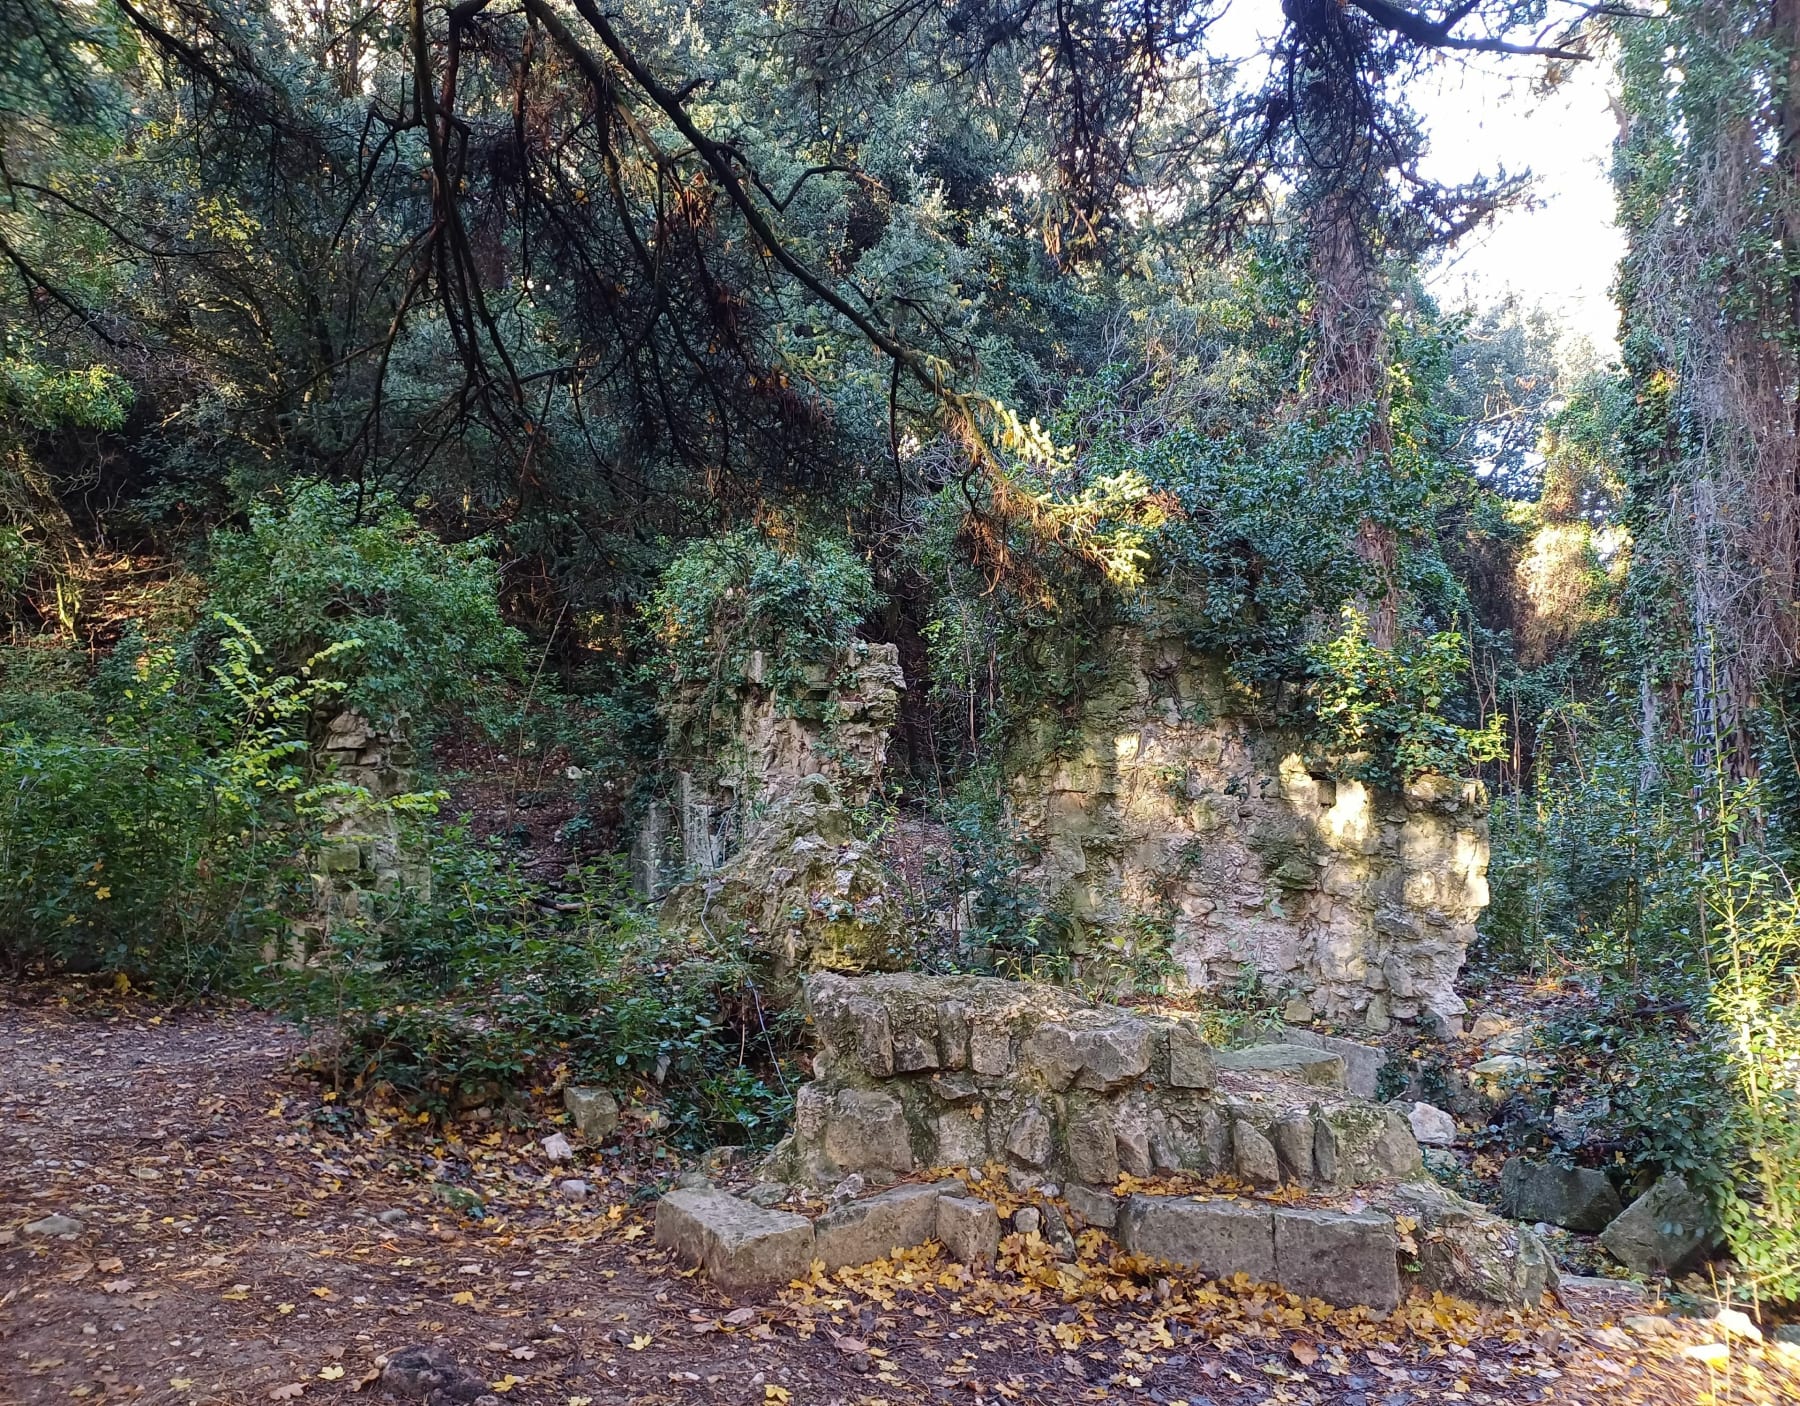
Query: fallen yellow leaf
(331, 1373)
(641, 1341)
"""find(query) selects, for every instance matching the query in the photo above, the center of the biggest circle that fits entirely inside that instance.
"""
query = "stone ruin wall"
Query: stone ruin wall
(718, 793)
(1354, 904)
(1158, 810)
(917, 1072)
(362, 847)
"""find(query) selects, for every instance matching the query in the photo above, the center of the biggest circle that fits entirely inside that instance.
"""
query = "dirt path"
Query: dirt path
(233, 1249)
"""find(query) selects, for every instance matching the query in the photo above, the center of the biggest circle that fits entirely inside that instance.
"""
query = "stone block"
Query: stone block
(1253, 1155)
(1433, 1127)
(969, 1230)
(953, 1035)
(1355, 1143)
(1667, 1229)
(1092, 1205)
(866, 1131)
(877, 1225)
(737, 1244)
(1029, 1138)
(1099, 1051)
(1362, 1063)
(1576, 1198)
(595, 1112)
(1467, 1251)
(990, 1049)
(1343, 1257)
(1190, 1058)
(1310, 1066)
(961, 1139)
(1293, 1137)
(1215, 1238)
(1093, 1154)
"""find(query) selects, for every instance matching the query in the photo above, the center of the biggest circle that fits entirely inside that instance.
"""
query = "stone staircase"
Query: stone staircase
(1090, 1116)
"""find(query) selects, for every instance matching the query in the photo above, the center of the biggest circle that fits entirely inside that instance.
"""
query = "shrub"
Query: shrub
(319, 569)
(155, 839)
(723, 598)
(491, 980)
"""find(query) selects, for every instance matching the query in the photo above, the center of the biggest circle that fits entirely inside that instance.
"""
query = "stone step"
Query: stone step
(1342, 1257)
(738, 1244)
(1303, 1062)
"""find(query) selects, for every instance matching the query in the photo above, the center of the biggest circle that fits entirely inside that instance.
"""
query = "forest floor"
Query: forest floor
(233, 1249)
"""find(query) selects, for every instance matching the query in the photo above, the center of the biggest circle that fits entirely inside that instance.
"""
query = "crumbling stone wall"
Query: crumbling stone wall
(916, 1072)
(1164, 803)
(362, 847)
(741, 749)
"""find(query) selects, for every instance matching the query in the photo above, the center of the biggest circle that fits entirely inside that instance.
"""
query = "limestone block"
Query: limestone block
(1216, 1238)
(1667, 1229)
(594, 1111)
(953, 1035)
(1577, 1198)
(955, 1087)
(969, 1230)
(1354, 1143)
(1100, 1050)
(1311, 1066)
(866, 1131)
(1435, 1128)
(1253, 1155)
(1091, 1143)
(874, 1227)
(990, 1049)
(1190, 1058)
(1092, 1205)
(1362, 1063)
(915, 1049)
(1029, 1139)
(1343, 1257)
(739, 1245)
(961, 1140)
(1293, 1136)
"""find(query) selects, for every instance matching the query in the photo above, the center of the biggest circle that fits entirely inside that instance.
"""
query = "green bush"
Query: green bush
(155, 838)
(722, 598)
(319, 568)
(493, 980)
(1382, 711)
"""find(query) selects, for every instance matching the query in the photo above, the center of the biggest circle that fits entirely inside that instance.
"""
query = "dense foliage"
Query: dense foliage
(507, 372)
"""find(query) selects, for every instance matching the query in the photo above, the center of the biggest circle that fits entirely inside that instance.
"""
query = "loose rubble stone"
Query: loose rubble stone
(1308, 1065)
(1253, 1155)
(1503, 1071)
(1027, 1220)
(740, 1246)
(1216, 1238)
(1432, 1126)
(1467, 1251)
(1355, 1143)
(557, 1148)
(1342, 1257)
(419, 1372)
(1056, 1232)
(1667, 1229)
(872, 1228)
(766, 1194)
(1576, 1198)
(595, 1112)
(969, 1230)
(55, 1224)
(848, 1189)
(573, 1187)
(394, 1215)
(1649, 1325)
